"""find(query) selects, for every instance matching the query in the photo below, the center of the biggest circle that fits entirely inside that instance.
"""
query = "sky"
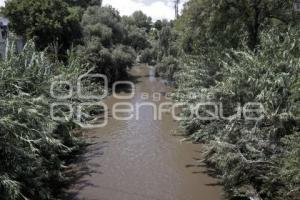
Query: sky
(157, 9)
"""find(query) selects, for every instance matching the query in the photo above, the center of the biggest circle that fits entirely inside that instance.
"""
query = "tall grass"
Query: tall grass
(33, 147)
(255, 159)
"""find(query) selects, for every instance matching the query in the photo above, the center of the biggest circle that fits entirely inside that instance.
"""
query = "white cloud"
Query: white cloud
(157, 9)
(2, 2)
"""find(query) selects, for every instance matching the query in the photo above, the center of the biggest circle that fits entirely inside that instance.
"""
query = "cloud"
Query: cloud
(156, 9)
(2, 2)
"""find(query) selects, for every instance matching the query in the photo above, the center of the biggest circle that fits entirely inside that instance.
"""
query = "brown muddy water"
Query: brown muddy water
(142, 159)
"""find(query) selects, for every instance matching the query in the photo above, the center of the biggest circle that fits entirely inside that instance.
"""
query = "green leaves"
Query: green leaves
(230, 23)
(254, 158)
(45, 21)
(31, 143)
(9, 189)
(105, 39)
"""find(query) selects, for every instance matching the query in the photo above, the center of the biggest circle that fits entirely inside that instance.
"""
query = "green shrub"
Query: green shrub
(290, 172)
(123, 58)
(148, 56)
(137, 38)
(167, 67)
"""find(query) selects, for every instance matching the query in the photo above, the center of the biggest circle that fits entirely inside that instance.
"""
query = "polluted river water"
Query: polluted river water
(142, 158)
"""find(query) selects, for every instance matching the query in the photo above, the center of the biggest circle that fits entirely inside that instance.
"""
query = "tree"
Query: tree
(84, 3)
(141, 20)
(46, 21)
(164, 39)
(231, 20)
(158, 25)
(176, 5)
(254, 15)
(104, 36)
(138, 27)
(137, 38)
(104, 23)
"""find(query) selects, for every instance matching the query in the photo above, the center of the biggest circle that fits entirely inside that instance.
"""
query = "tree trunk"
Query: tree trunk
(253, 27)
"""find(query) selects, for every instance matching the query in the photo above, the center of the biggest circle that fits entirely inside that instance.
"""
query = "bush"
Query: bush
(123, 58)
(148, 56)
(290, 172)
(167, 67)
(137, 38)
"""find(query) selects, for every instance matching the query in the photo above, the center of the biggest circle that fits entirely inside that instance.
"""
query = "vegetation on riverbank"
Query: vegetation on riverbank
(229, 52)
(65, 39)
(234, 53)
(249, 155)
(34, 148)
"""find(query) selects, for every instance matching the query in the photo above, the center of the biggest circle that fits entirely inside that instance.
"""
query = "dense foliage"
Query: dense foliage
(104, 43)
(49, 22)
(236, 52)
(33, 147)
(229, 22)
(141, 20)
(148, 56)
(84, 3)
(247, 153)
(227, 51)
(167, 67)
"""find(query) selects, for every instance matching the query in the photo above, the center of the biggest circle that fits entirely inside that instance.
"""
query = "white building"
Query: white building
(3, 36)
(297, 5)
(6, 38)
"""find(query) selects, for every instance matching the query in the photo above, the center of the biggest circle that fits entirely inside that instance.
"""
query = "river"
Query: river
(142, 159)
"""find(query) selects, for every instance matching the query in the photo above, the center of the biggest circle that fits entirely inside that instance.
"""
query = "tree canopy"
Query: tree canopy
(84, 3)
(104, 42)
(141, 20)
(231, 20)
(46, 21)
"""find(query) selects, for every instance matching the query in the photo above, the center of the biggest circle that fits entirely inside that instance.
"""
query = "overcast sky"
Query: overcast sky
(157, 9)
